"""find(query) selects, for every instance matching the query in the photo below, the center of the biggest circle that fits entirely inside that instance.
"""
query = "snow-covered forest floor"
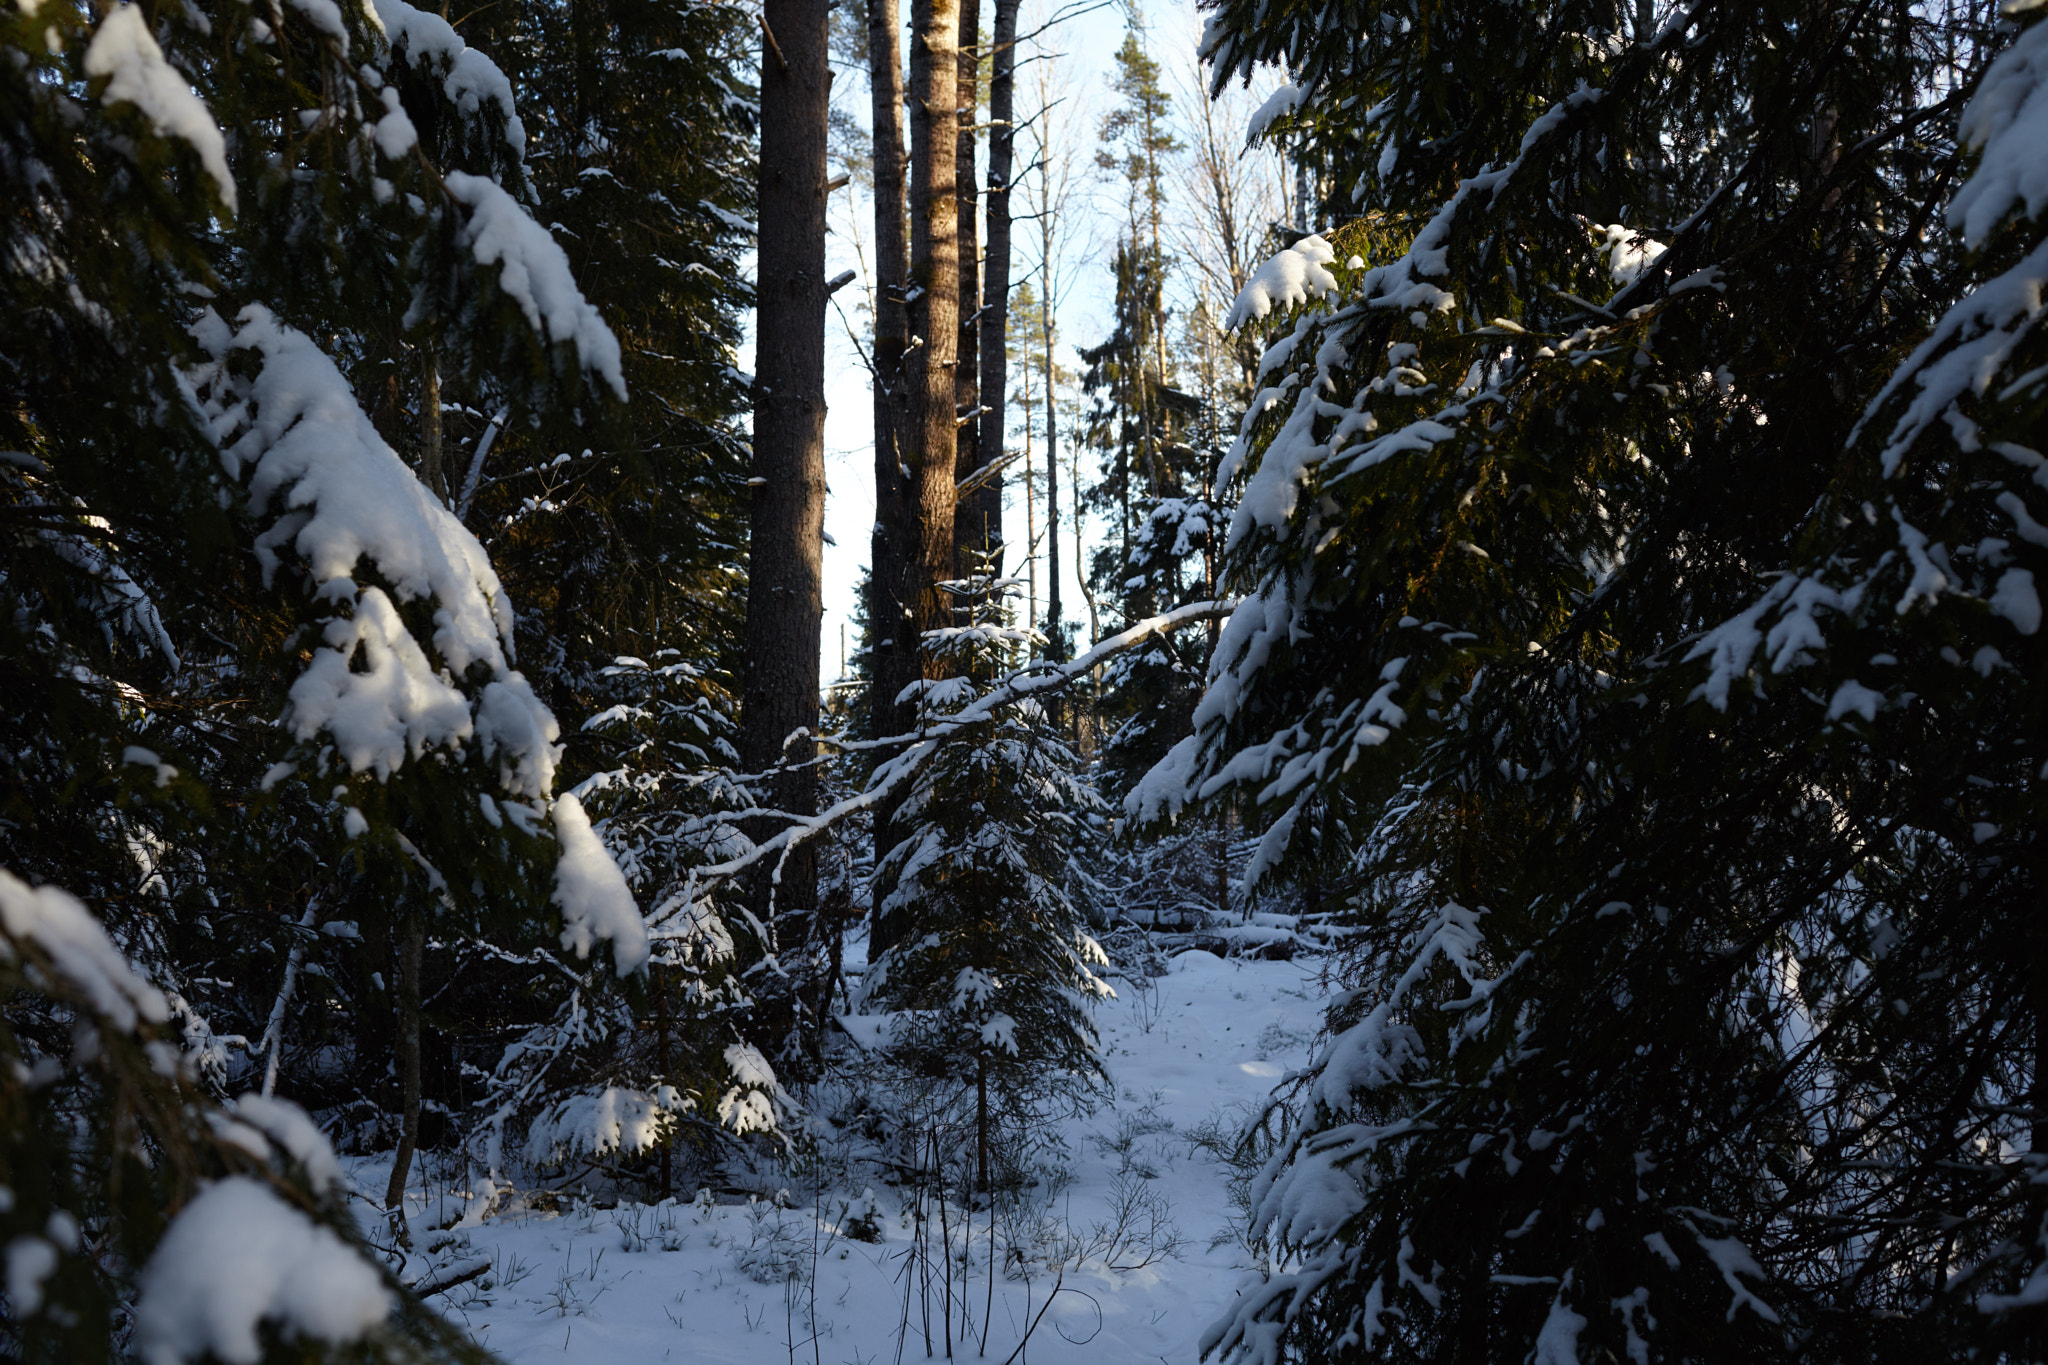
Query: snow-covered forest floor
(732, 1278)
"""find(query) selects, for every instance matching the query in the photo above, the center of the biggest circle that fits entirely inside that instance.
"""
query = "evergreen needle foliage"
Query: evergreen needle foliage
(1638, 522)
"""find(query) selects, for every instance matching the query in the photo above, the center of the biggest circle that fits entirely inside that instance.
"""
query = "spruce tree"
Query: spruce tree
(1556, 441)
(992, 973)
(264, 695)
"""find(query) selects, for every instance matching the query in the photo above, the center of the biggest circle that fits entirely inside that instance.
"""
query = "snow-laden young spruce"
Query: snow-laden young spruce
(255, 656)
(991, 970)
(129, 1194)
(1639, 532)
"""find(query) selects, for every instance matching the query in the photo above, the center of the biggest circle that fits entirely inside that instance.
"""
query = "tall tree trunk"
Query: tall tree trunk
(1030, 501)
(785, 608)
(1054, 626)
(929, 433)
(892, 636)
(893, 645)
(935, 312)
(412, 937)
(970, 537)
(995, 275)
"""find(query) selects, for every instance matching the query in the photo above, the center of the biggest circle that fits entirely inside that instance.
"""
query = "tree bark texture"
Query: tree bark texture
(928, 441)
(934, 312)
(892, 642)
(968, 538)
(995, 275)
(785, 610)
(431, 473)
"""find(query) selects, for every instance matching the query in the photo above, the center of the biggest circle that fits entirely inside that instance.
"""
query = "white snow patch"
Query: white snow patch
(1629, 253)
(238, 1256)
(30, 1261)
(613, 1119)
(534, 271)
(471, 79)
(53, 921)
(2007, 120)
(341, 497)
(1558, 1341)
(291, 1128)
(1280, 103)
(1853, 696)
(124, 50)
(2016, 600)
(595, 901)
(1290, 278)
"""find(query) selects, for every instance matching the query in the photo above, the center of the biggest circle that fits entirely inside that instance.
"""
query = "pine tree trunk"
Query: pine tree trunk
(893, 648)
(785, 608)
(927, 559)
(969, 538)
(891, 634)
(412, 937)
(995, 275)
(935, 312)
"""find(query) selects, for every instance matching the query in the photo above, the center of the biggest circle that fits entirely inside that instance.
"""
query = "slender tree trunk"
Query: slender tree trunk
(893, 644)
(1030, 502)
(412, 936)
(668, 1147)
(1054, 626)
(1087, 595)
(981, 1122)
(995, 275)
(970, 538)
(891, 631)
(785, 608)
(431, 473)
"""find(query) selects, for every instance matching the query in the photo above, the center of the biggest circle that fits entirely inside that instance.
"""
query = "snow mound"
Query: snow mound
(1197, 962)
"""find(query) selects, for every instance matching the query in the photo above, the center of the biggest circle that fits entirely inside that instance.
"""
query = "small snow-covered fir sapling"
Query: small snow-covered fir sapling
(992, 972)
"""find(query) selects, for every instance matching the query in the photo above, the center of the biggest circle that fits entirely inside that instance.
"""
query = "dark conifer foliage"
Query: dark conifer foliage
(1646, 628)
(266, 715)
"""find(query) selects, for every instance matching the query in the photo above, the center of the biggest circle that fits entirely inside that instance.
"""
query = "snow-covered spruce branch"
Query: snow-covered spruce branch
(920, 744)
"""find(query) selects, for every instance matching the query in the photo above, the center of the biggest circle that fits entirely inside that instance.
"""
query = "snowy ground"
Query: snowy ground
(636, 1284)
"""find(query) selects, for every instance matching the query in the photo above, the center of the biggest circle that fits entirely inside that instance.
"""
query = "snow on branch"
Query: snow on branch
(920, 744)
(239, 1256)
(592, 893)
(124, 51)
(470, 79)
(344, 502)
(533, 271)
(53, 923)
